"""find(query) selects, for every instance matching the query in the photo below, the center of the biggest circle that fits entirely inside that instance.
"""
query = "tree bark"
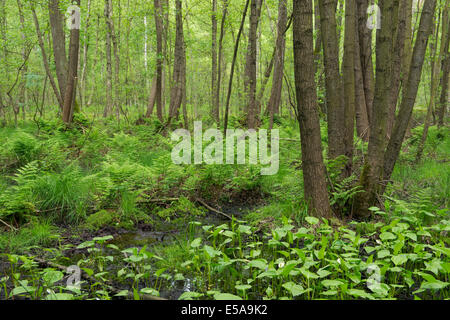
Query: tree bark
(372, 171)
(250, 69)
(409, 98)
(277, 80)
(71, 82)
(177, 91)
(333, 84)
(159, 58)
(316, 194)
(365, 50)
(434, 75)
(349, 82)
(59, 44)
(444, 82)
(215, 107)
(233, 63)
(109, 85)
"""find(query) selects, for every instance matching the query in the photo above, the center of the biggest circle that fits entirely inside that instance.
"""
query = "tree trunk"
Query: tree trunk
(219, 67)
(316, 194)
(372, 171)
(409, 98)
(215, 107)
(250, 69)
(277, 80)
(69, 98)
(349, 82)
(362, 119)
(45, 61)
(159, 58)
(333, 84)
(109, 86)
(434, 77)
(445, 85)
(398, 47)
(233, 63)
(365, 50)
(176, 96)
(59, 44)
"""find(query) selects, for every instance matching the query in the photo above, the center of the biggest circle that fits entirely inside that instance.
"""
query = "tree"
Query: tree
(250, 66)
(333, 83)
(409, 98)
(233, 63)
(179, 66)
(215, 107)
(316, 194)
(74, 47)
(372, 171)
(444, 82)
(159, 58)
(59, 44)
(277, 80)
(349, 81)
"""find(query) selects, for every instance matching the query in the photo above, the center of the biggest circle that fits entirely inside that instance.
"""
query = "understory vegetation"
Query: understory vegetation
(109, 200)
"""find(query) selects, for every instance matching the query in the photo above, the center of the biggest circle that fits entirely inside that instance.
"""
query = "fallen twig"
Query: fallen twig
(8, 225)
(212, 209)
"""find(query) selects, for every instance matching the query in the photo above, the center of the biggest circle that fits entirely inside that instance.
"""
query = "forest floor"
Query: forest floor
(110, 201)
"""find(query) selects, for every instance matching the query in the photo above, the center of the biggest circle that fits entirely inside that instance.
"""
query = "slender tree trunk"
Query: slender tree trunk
(316, 194)
(434, 77)
(215, 107)
(349, 81)
(277, 80)
(23, 72)
(151, 99)
(409, 98)
(250, 69)
(177, 92)
(365, 50)
(71, 82)
(445, 66)
(333, 83)
(109, 86)
(219, 67)
(233, 63)
(362, 119)
(398, 47)
(56, 91)
(85, 55)
(159, 58)
(59, 44)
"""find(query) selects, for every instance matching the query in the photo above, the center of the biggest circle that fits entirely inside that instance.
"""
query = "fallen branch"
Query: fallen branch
(212, 209)
(90, 278)
(158, 200)
(8, 225)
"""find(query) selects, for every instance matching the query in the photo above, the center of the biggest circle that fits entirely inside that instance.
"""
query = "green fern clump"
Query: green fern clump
(63, 196)
(16, 201)
(23, 147)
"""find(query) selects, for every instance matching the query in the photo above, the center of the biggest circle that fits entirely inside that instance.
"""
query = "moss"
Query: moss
(100, 219)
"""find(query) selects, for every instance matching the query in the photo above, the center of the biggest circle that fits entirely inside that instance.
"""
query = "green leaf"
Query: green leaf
(399, 259)
(293, 288)
(196, 243)
(387, 236)
(189, 295)
(332, 283)
(312, 220)
(226, 296)
(383, 253)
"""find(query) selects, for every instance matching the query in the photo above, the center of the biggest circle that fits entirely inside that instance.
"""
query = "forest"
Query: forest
(120, 178)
